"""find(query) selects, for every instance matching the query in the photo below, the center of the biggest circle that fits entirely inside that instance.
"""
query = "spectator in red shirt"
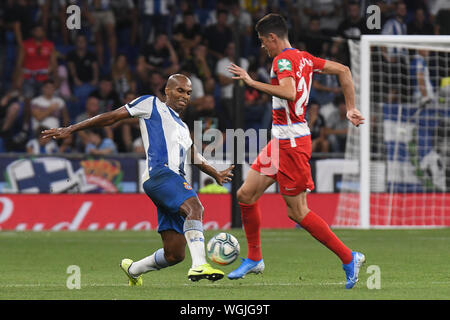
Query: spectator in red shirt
(36, 62)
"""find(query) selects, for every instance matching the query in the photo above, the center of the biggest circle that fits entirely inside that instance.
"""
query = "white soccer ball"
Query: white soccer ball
(223, 248)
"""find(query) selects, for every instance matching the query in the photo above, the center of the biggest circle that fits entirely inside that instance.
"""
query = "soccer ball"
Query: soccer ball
(223, 248)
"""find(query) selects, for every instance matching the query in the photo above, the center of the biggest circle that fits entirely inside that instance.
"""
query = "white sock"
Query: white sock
(193, 232)
(151, 263)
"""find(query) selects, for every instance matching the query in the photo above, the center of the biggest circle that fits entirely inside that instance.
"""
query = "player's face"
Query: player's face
(179, 95)
(266, 44)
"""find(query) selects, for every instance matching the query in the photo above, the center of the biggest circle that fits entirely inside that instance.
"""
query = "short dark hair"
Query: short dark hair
(106, 77)
(221, 11)
(272, 23)
(48, 81)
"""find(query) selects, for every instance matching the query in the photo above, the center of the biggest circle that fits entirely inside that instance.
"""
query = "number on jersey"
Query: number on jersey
(302, 102)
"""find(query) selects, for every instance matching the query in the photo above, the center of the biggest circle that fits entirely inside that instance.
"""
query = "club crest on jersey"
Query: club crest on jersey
(187, 186)
(284, 64)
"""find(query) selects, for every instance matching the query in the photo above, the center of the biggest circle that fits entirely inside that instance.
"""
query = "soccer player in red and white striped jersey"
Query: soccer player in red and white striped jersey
(285, 159)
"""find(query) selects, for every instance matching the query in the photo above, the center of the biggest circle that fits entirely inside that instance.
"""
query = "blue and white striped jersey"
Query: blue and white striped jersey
(165, 136)
(395, 27)
(419, 65)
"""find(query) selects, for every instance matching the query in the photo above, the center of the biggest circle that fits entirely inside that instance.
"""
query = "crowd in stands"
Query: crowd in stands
(52, 76)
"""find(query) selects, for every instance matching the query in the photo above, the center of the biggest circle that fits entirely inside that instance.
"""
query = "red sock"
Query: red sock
(320, 230)
(251, 219)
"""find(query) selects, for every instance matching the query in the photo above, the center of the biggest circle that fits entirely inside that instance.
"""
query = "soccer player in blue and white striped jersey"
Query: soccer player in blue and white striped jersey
(167, 141)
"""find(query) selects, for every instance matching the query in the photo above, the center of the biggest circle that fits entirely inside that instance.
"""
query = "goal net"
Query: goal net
(402, 152)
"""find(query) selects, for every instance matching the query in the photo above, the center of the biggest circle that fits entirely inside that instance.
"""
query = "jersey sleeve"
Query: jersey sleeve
(318, 63)
(141, 107)
(283, 68)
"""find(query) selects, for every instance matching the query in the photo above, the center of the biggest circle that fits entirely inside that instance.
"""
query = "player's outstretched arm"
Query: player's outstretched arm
(200, 162)
(101, 120)
(285, 90)
(345, 79)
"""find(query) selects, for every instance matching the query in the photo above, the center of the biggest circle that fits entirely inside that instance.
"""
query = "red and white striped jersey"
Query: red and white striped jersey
(289, 116)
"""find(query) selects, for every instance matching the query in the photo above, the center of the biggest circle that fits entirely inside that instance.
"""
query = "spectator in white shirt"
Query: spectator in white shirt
(225, 78)
(47, 109)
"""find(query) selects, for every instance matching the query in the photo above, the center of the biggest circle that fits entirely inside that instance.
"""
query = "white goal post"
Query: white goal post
(397, 186)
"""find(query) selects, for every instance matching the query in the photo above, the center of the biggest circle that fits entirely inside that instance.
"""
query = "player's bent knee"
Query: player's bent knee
(192, 209)
(244, 197)
(297, 214)
(293, 216)
(197, 212)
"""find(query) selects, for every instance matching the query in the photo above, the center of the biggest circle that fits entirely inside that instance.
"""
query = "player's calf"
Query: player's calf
(174, 258)
(193, 232)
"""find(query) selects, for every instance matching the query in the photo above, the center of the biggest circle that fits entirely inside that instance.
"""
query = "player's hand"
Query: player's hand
(240, 74)
(424, 101)
(355, 117)
(225, 175)
(56, 133)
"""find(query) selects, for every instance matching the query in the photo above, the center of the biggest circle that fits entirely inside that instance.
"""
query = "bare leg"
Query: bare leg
(253, 187)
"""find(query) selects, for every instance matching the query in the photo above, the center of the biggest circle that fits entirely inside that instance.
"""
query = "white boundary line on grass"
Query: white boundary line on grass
(257, 284)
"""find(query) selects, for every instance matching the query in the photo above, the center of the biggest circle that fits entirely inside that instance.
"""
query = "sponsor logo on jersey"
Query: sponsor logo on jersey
(284, 64)
(187, 186)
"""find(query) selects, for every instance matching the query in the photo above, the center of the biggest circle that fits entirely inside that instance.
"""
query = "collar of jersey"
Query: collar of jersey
(170, 109)
(176, 116)
(287, 49)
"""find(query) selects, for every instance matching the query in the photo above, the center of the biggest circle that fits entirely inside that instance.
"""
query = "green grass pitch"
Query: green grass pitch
(413, 265)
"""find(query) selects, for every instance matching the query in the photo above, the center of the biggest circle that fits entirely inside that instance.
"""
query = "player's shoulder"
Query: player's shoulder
(141, 99)
(290, 53)
(287, 59)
